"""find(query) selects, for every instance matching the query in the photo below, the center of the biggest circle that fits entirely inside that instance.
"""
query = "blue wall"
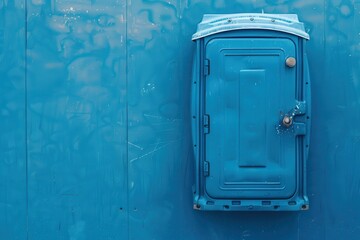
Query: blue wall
(94, 121)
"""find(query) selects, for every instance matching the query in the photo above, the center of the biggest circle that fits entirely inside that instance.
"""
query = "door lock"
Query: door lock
(288, 118)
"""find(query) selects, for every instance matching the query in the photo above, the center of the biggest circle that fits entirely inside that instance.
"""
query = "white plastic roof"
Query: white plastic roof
(217, 23)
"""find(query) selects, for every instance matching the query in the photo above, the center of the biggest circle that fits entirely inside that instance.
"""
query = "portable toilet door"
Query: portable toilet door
(250, 113)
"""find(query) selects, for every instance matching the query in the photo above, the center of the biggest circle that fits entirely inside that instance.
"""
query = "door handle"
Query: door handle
(287, 121)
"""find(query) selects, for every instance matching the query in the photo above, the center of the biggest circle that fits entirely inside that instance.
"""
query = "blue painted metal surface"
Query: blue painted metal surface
(13, 174)
(95, 137)
(246, 157)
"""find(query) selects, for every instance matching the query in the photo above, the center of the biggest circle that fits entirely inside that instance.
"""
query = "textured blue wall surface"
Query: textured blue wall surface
(95, 132)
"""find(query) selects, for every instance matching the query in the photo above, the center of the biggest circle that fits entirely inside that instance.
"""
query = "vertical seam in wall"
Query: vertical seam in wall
(323, 203)
(180, 68)
(298, 226)
(127, 121)
(26, 118)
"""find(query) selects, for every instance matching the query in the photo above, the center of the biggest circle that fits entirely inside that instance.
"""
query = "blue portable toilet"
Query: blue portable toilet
(250, 112)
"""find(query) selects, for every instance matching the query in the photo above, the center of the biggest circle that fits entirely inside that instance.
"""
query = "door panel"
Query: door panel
(248, 90)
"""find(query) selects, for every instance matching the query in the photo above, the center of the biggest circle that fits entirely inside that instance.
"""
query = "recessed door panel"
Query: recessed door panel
(248, 90)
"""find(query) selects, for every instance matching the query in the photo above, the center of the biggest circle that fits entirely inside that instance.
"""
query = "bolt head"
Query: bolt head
(287, 121)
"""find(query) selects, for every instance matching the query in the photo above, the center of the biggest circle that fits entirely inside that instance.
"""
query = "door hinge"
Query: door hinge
(206, 67)
(206, 123)
(206, 168)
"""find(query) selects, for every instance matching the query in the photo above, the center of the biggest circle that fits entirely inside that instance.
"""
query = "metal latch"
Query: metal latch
(287, 121)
